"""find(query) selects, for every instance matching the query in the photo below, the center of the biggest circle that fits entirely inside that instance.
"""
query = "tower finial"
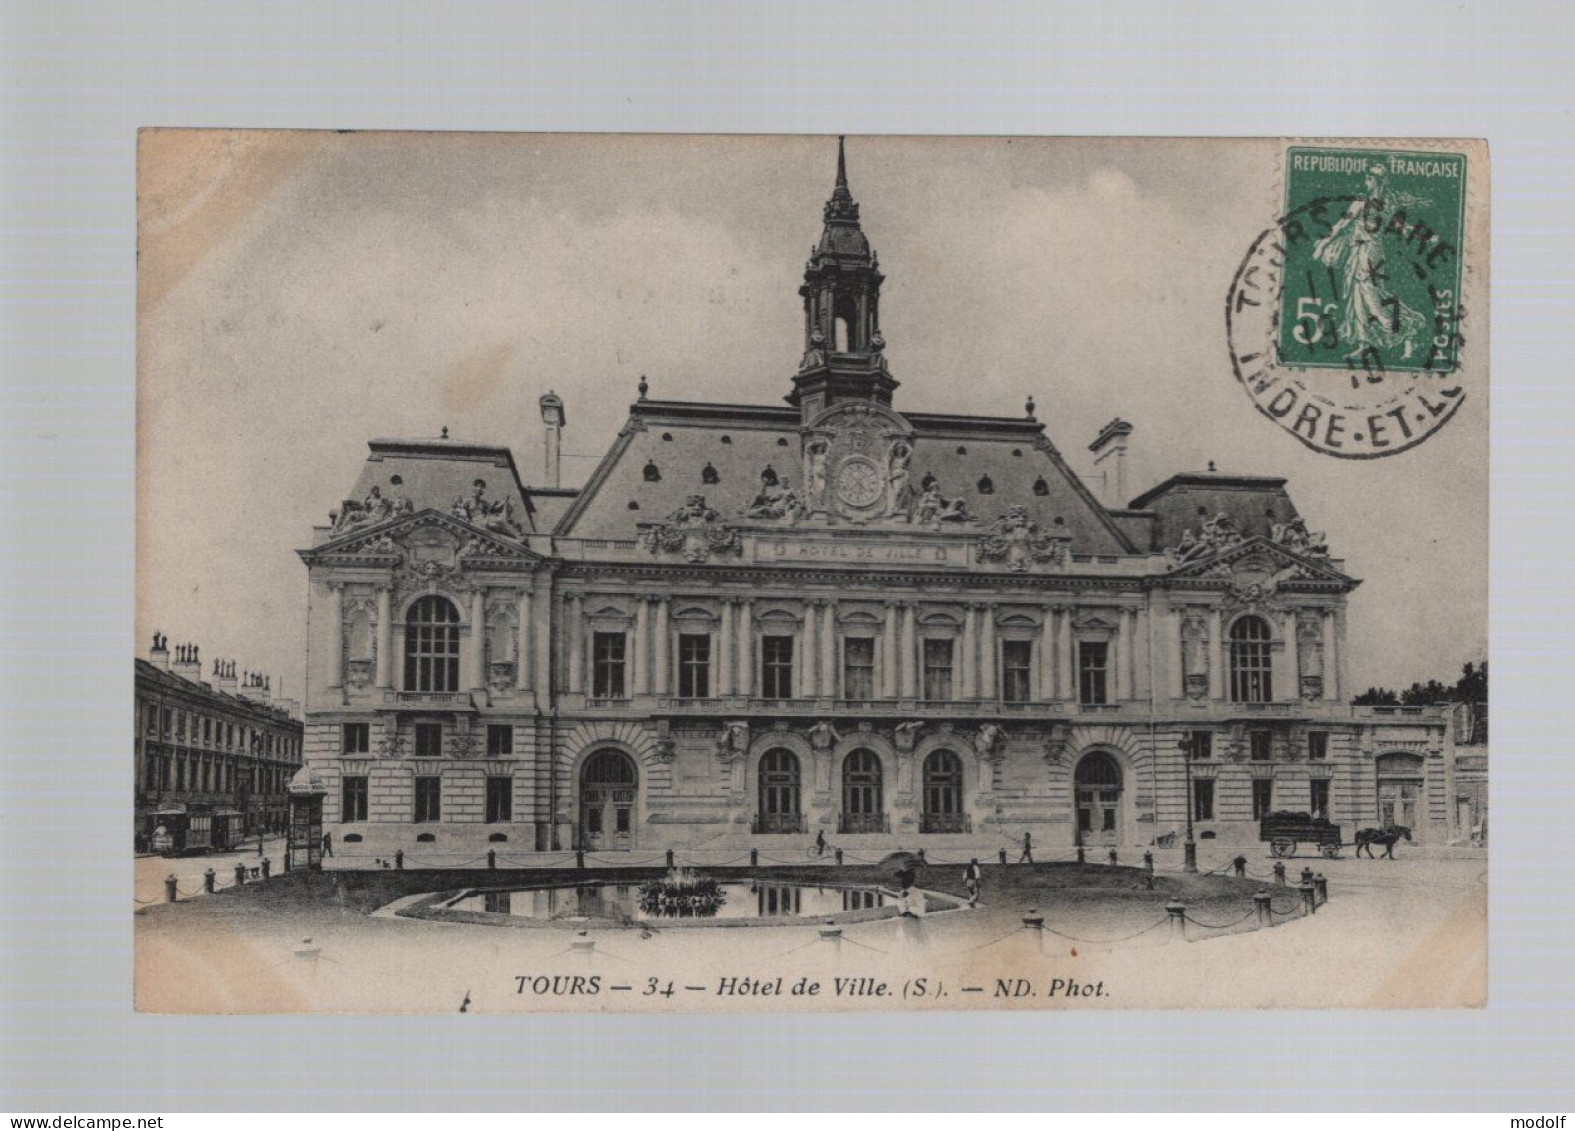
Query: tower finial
(842, 163)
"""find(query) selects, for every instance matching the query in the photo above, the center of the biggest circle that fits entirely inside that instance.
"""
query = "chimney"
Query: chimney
(224, 677)
(1110, 460)
(159, 654)
(553, 417)
(186, 664)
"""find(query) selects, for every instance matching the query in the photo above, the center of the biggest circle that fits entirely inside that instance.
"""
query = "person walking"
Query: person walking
(328, 845)
(973, 877)
(1028, 850)
(820, 842)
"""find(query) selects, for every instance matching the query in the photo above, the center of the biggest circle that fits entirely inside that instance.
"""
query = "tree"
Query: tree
(1377, 697)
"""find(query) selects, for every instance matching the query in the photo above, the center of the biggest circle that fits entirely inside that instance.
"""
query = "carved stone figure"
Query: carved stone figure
(776, 500)
(1218, 533)
(1019, 543)
(905, 736)
(695, 531)
(815, 473)
(1309, 654)
(898, 493)
(989, 741)
(664, 750)
(1294, 536)
(496, 516)
(734, 741)
(823, 736)
(1195, 656)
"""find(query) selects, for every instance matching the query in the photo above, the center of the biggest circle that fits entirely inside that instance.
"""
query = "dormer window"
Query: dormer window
(653, 474)
(1041, 488)
(709, 475)
(986, 485)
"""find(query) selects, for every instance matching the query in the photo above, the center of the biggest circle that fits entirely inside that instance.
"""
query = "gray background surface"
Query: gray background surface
(81, 78)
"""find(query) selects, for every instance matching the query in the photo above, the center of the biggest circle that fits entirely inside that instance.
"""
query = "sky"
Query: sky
(301, 293)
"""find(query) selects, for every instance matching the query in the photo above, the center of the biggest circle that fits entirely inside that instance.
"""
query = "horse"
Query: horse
(1388, 837)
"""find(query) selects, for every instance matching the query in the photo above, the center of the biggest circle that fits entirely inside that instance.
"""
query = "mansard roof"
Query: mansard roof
(1255, 503)
(433, 473)
(992, 463)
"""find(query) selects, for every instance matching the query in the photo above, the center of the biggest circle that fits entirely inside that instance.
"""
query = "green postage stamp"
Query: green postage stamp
(1374, 284)
(1346, 318)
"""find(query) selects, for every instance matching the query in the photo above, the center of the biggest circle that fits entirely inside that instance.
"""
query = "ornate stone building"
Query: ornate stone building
(754, 622)
(213, 750)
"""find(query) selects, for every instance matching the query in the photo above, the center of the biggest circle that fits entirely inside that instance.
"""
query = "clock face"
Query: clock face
(859, 482)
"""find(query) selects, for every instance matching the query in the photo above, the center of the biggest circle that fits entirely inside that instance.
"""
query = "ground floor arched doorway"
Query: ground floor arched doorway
(780, 793)
(863, 793)
(609, 785)
(1097, 782)
(1400, 791)
(942, 796)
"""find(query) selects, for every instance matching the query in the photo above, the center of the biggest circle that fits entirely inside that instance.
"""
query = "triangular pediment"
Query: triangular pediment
(1255, 556)
(397, 537)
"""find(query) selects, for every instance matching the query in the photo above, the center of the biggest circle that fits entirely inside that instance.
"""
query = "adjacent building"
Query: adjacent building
(213, 752)
(756, 621)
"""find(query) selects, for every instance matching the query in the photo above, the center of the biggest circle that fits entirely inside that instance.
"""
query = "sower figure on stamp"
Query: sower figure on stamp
(1028, 850)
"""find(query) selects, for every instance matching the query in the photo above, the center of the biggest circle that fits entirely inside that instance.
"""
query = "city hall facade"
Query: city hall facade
(758, 622)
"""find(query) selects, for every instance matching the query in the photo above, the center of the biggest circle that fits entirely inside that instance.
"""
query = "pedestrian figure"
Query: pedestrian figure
(820, 842)
(1028, 850)
(328, 845)
(972, 877)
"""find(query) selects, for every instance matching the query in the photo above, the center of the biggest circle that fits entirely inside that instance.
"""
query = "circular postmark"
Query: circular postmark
(1344, 322)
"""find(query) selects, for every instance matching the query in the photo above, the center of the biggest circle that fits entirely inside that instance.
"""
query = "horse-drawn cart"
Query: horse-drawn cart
(1286, 832)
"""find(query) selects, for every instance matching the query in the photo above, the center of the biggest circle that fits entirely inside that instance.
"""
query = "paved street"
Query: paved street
(151, 871)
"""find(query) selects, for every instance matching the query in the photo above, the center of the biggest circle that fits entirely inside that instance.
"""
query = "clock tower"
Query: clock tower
(844, 353)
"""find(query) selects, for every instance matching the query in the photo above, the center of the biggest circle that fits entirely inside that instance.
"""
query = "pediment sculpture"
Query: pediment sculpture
(695, 531)
(375, 508)
(493, 515)
(1295, 537)
(776, 500)
(936, 510)
(1019, 543)
(1216, 534)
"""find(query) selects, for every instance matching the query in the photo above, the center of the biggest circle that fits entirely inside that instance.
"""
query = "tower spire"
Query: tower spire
(842, 163)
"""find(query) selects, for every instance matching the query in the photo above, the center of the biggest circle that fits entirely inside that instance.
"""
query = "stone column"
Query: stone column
(1338, 665)
(1176, 677)
(1116, 660)
(478, 639)
(575, 637)
(809, 652)
(726, 673)
(1069, 654)
(989, 687)
(1331, 684)
(909, 652)
(522, 645)
(1284, 662)
(746, 648)
(1218, 657)
(336, 634)
(1142, 650)
(888, 652)
(541, 613)
(661, 648)
(1045, 668)
(968, 661)
(642, 647)
(385, 637)
(828, 650)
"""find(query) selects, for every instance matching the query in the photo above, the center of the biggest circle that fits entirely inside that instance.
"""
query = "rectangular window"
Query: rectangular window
(166, 721)
(1320, 798)
(1201, 745)
(180, 772)
(358, 738)
(694, 665)
(858, 667)
(500, 740)
(352, 799)
(151, 771)
(1262, 745)
(1202, 801)
(500, 800)
(429, 799)
(776, 667)
(1092, 669)
(1317, 745)
(153, 719)
(429, 740)
(207, 731)
(1017, 665)
(607, 664)
(937, 670)
(1262, 798)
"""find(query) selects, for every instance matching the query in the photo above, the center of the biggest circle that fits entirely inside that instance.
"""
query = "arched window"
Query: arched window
(863, 809)
(1250, 661)
(943, 794)
(779, 793)
(432, 646)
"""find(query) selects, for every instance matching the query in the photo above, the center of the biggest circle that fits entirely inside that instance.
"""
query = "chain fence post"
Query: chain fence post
(208, 879)
(1178, 919)
(1260, 900)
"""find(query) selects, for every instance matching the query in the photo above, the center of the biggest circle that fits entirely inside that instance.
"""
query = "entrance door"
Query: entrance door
(1397, 802)
(779, 793)
(863, 810)
(607, 793)
(943, 795)
(1098, 784)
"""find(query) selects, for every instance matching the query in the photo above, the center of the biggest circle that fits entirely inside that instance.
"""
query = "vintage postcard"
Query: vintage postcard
(659, 573)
